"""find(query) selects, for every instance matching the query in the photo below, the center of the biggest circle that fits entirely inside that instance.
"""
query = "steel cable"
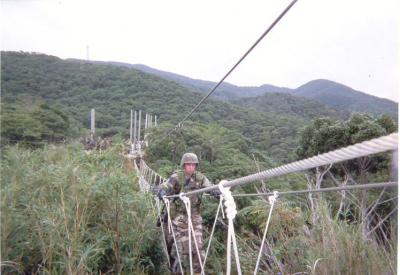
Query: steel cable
(233, 68)
(374, 146)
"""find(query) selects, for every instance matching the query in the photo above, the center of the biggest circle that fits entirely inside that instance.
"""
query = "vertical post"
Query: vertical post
(140, 118)
(155, 120)
(394, 169)
(134, 128)
(146, 122)
(131, 128)
(92, 123)
(151, 120)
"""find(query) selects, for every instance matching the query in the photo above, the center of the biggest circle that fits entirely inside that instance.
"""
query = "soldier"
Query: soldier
(183, 181)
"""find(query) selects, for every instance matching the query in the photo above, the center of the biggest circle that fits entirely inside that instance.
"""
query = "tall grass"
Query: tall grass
(331, 246)
(64, 211)
(337, 247)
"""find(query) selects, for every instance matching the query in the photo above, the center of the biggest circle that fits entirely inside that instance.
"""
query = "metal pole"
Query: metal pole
(395, 168)
(134, 128)
(131, 127)
(92, 122)
(155, 120)
(140, 118)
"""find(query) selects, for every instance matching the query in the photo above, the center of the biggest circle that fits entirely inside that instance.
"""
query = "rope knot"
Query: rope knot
(273, 198)
(231, 214)
(229, 203)
(185, 199)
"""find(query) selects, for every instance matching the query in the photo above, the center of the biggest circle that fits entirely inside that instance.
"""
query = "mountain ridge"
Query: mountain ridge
(333, 94)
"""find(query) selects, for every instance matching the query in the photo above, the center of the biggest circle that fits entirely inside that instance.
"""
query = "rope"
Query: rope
(328, 189)
(171, 230)
(162, 230)
(234, 67)
(374, 146)
(271, 200)
(212, 230)
(231, 214)
(191, 232)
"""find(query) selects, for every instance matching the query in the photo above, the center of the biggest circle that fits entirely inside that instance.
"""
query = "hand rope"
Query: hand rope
(162, 230)
(186, 201)
(231, 214)
(213, 228)
(271, 200)
(171, 230)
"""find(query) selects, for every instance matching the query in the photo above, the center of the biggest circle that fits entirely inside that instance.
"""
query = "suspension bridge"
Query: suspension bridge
(149, 179)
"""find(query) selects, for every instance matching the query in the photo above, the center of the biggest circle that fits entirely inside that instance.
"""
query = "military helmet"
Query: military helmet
(189, 158)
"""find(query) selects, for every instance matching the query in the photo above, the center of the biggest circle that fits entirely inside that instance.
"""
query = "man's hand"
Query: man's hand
(215, 193)
(161, 194)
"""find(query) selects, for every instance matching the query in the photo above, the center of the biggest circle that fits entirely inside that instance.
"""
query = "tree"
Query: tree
(32, 127)
(325, 135)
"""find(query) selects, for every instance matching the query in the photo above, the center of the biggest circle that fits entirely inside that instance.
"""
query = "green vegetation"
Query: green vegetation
(64, 211)
(74, 87)
(326, 94)
(316, 234)
(284, 104)
(35, 126)
(341, 97)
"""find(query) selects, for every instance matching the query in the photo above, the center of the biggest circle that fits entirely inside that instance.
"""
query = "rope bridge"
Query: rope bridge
(148, 179)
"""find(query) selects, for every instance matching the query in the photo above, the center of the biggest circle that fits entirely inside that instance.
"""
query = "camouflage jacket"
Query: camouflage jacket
(178, 183)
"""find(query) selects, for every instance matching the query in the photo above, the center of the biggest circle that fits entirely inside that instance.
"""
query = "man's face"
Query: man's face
(189, 168)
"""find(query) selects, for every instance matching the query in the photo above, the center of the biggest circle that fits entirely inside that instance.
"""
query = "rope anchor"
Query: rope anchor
(271, 200)
(230, 214)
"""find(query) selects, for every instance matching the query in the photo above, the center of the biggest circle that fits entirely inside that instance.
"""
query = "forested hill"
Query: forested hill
(342, 97)
(225, 91)
(332, 94)
(71, 88)
(285, 104)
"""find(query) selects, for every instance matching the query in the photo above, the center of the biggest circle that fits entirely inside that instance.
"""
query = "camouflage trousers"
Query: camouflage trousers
(180, 227)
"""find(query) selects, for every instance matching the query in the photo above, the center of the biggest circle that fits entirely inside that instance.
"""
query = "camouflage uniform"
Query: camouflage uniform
(176, 184)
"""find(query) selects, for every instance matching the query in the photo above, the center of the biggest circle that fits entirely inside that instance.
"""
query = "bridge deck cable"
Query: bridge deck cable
(374, 146)
(281, 15)
(327, 189)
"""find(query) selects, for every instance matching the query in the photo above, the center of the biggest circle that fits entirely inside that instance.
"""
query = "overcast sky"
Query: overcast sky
(353, 42)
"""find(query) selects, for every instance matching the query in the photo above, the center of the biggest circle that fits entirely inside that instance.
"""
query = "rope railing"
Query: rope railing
(148, 177)
(374, 146)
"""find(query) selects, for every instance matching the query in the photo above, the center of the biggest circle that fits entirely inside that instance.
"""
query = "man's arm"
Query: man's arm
(206, 183)
(167, 187)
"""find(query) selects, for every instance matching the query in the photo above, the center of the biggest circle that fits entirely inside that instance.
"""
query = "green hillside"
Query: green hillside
(284, 104)
(329, 94)
(74, 87)
(342, 97)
